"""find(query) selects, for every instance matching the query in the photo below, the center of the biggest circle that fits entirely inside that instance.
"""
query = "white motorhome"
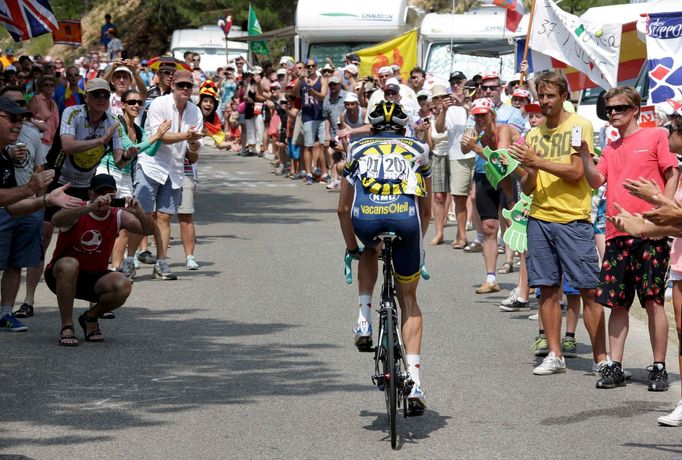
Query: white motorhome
(472, 42)
(334, 29)
(209, 43)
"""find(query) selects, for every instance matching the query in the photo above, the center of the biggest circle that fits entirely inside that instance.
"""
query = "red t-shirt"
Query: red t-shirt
(90, 241)
(645, 153)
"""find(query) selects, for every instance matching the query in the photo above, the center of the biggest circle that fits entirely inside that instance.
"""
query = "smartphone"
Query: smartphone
(118, 203)
(576, 136)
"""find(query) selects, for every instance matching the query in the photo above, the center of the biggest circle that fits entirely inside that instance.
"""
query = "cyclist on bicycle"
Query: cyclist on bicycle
(388, 179)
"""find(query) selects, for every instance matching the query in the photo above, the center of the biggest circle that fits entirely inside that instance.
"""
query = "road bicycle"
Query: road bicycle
(390, 365)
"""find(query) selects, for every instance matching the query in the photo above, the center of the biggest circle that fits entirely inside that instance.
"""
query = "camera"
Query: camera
(118, 203)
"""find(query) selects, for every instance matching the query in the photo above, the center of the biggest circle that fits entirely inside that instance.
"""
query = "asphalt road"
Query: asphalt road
(252, 356)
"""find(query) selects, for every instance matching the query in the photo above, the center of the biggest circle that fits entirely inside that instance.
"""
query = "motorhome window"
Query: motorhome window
(204, 51)
(441, 62)
(336, 51)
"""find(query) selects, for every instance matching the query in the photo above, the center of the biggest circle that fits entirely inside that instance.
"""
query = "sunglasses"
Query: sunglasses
(414, 77)
(71, 75)
(12, 117)
(672, 129)
(167, 72)
(390, 93)
(489, 88)
(134, 102)
(620, 108)
(99, 94)
(184, 85)
(311, 66)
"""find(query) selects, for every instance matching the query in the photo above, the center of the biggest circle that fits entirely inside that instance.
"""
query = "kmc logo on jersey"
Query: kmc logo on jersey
(383, 199)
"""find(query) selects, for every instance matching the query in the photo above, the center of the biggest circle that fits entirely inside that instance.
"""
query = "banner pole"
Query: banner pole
(525, 46)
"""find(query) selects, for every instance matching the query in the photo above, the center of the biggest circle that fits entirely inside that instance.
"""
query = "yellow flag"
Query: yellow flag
(401, 50)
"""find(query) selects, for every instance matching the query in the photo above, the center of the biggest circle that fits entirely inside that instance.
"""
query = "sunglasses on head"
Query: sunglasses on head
(137, 102)
(620, 108)
(184, 85)
(12, 117)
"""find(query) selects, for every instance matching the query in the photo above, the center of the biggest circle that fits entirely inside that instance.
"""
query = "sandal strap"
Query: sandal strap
(68, 326)
(88, 319)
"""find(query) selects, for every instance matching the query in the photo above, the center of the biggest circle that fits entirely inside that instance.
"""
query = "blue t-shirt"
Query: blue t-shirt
(228, 89)
(312, 106)
(504, 115)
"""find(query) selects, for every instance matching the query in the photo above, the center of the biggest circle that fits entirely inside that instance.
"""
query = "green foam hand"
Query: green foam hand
(495, 170)
(515, 236)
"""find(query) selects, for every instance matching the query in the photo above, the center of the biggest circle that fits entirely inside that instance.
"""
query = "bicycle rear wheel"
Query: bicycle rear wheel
(391, 390)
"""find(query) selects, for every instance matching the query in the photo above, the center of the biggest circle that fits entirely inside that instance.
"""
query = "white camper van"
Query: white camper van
(209, 42)
(471, 42)
(334, 29)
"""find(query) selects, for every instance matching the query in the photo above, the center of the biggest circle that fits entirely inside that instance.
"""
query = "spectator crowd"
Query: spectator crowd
(106, 150)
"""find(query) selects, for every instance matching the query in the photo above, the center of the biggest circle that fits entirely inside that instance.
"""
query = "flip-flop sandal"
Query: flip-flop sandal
(25, 311)
(83, 320)
(459, 244)
(507, 267)
(63, 338)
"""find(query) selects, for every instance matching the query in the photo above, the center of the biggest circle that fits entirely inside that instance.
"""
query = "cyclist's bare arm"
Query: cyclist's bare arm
(343, 211)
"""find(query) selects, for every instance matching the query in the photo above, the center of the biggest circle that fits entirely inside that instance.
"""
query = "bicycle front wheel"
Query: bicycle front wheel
(390, 372)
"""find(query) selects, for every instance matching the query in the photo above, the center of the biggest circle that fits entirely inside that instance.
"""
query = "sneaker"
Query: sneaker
(308, 180)
(612, 376)
(516, 305)
(162, 271)
(146, 257)
(317, 172)
(674, 418)
(474, 246)
(327, 179)
(136, 261)
(658, 378)
(9, 323)
(335, 185)
(540, 346)
(363, 337)
(513, 295)
(533, 317)
(551, 365)
(299, 175)
(598, 368)
(470, 227)
(500, 249)
(280, 170)
(128, 268)
(568, 347)
(191, 263)
(416, 401)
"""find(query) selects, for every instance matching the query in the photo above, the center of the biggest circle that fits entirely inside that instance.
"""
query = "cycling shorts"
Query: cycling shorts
(373, 214)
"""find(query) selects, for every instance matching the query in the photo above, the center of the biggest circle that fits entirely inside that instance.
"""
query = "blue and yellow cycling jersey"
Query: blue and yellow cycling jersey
(389, 164)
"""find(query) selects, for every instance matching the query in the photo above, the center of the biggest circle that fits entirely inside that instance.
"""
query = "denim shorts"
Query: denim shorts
(21, 240)
(556, 250)
(313, 131)
(154, 196)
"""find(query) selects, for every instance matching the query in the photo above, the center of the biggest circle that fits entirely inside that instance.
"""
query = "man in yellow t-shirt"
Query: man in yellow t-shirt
(560, 236)
(8, 58)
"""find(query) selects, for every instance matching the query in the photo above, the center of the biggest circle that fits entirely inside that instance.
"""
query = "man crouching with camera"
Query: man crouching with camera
(79, 265)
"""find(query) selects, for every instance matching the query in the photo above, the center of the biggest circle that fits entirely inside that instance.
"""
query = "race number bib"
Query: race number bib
(389, 167)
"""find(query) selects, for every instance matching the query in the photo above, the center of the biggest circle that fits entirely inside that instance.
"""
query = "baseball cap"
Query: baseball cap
(9, 52)
(424, 93)
(7, 105)
(385, 70)
(101, 182)
(482, 105)
(353, 57)
(123, 69)
(522, 93)
(515, 78)
(311, 61)
(438, 90)
(281, 71)
(392, 87)
(288, 60)
(351, 97)
(351, 68)
(457, 75)
(395, 67)
(256, 70)
(97, 84)
(334, 79)
(490, 76)
(392, 81)
(183, 76)
(533, 108)
(327, 66)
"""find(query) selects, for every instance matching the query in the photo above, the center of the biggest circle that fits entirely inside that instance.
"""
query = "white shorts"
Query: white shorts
(124, 182)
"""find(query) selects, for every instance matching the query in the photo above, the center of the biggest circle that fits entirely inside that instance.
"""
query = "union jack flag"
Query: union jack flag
(25, 19)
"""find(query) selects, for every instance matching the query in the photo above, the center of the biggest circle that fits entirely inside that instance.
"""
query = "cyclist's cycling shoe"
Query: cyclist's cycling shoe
(416, 401)
(363, 337)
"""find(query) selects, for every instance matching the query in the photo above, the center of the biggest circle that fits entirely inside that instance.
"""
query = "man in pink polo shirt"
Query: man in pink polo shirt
(632, 264)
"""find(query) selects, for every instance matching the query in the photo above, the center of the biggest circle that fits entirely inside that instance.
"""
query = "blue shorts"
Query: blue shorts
(21, 240)
(313, 131)
(561, 250)
(293, 150)
(373, 214)
(154, 196)
(568, 290)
